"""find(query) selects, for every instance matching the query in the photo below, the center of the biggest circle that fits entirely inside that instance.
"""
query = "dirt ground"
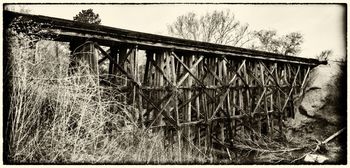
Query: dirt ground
(322, 112)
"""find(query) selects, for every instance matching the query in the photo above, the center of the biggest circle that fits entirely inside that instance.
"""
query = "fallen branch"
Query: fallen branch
(246, 147)
(321, 143)
(333, 136)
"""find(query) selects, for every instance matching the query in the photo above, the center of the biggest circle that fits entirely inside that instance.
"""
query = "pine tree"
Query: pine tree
(87, 16)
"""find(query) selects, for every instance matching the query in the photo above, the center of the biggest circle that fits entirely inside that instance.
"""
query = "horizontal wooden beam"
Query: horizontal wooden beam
(68, 30)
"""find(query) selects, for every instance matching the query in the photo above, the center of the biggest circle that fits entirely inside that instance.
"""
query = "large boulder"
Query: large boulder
(324, 94)
(322, 110)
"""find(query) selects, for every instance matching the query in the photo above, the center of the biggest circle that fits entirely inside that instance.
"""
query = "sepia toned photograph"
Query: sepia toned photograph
(174, 83)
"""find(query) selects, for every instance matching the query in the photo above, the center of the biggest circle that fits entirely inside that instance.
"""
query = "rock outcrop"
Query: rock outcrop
(324, 94)
(322, 109)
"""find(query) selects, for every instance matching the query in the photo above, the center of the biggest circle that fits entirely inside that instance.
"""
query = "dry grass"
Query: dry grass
(56, 118)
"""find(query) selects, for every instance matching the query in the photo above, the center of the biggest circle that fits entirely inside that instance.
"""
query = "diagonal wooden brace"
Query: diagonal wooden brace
(183, 78)
(236, 72)
(291, 90)
(161, 111)
(169, 118)
(223, 96)
(160, 70)
(159, 103)
(212, 73)
(130, 77)
(259, 101)
(273, 77)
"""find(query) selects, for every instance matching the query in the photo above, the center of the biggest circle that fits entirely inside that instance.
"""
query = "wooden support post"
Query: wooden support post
(93, 59)
(272, 103)
(130, 67)
(257, 95)
(265, 85)
(113, 70)
(138, 89)
(167, 75)
(188, 110)
(163, 76)
(240, 95)
(156, 83)
(278, 98)
(123, 56)
(174, 69)
(198, 117)
(147, 69)
(209, 110)
(198, 105)
(204, 104)
(148, 79)
(228, 132)
(221, 133)
(248, 97)
(234, 102)
(227, 104)
(244, 95)
(160, 57)
(262, 98)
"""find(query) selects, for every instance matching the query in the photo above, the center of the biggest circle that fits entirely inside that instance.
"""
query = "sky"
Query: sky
(322, 26)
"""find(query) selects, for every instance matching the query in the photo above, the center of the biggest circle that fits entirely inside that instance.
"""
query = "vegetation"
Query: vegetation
(324, 55)
(222, 27)
(56, 118)
(87, 16)
(288, 44)
(219, 27)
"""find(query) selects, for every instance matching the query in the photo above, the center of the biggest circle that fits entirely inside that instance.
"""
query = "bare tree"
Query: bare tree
(219, 27)
(288, 44)
(324, 55)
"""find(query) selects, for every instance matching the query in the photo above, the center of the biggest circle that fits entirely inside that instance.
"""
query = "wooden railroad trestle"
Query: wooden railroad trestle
(202, 96)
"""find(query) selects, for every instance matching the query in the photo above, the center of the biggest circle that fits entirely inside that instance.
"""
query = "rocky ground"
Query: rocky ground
(322, 112)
